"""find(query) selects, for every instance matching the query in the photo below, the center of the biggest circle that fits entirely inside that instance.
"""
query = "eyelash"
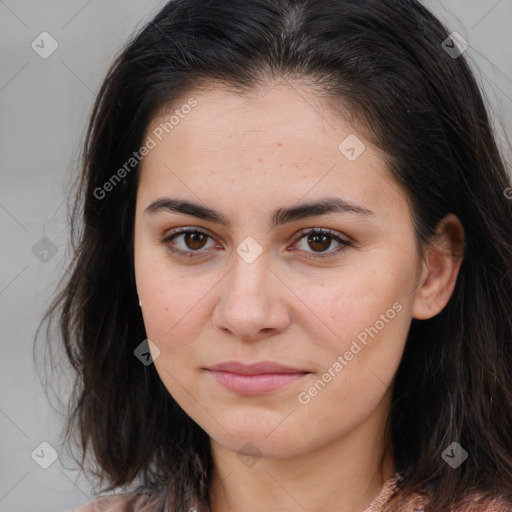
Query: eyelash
(301, 234)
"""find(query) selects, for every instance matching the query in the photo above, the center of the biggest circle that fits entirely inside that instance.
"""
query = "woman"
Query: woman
(292, 289)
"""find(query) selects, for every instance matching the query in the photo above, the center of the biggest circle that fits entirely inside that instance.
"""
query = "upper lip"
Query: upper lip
(255, 368)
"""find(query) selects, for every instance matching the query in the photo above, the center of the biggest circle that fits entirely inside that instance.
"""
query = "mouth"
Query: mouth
(256, 378)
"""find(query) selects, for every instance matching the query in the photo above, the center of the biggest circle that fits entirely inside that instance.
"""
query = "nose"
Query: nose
(252, 303)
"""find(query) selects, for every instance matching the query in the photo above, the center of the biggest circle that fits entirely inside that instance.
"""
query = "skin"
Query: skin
(245, 157)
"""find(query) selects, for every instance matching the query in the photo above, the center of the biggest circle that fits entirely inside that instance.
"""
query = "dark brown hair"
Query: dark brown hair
(383, 65)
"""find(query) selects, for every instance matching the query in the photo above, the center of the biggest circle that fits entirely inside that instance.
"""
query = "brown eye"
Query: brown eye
(320, 240)
(194, 240)
(186, 242)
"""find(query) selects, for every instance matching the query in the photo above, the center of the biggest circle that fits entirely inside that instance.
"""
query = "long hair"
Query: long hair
(382, 65)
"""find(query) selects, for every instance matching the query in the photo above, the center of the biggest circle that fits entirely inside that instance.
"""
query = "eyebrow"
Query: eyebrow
(280, 216)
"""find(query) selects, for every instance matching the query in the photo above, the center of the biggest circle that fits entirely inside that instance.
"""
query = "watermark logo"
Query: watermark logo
(249, 249)
(44, 250)
(454, 455)
(44, 45)
(455, 45)
(44, 455)
(250, 460)
(352, 147)
(147, 352)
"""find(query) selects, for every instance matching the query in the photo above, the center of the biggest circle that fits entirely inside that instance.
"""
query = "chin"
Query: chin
(272, 442)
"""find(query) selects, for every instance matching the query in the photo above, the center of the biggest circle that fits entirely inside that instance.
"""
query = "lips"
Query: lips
(256, 378)
(256, 368)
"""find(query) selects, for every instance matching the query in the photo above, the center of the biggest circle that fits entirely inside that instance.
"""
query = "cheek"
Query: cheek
(367, 310)
(173, 302)
(170, 308)
(368, 323)
(353, 299)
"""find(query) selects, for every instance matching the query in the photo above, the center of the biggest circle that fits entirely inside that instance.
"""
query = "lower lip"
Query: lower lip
(255, 384)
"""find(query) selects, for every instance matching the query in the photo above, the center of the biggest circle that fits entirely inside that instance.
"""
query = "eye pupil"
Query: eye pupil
(192, 238)
(319, 239)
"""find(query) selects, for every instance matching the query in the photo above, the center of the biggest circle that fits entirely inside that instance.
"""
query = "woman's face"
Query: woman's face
(254, 288)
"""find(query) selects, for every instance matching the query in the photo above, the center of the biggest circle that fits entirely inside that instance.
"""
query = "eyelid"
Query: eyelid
(325, 231)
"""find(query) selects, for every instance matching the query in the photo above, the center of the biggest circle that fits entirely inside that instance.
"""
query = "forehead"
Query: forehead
(275, 111)
(283, 139)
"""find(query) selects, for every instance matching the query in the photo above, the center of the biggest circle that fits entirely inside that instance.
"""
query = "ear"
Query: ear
(440, 268)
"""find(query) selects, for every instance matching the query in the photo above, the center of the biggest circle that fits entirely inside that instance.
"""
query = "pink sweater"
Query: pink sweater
(417, 503)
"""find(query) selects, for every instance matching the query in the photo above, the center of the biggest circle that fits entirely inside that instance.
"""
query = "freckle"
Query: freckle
(260, 159)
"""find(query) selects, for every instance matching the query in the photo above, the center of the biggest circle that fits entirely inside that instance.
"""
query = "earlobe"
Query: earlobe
(440, 269)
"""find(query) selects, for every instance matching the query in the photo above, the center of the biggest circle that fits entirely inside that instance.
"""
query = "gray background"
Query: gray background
(44, 104)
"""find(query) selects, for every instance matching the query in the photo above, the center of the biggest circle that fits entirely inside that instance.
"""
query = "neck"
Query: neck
(343, 475)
